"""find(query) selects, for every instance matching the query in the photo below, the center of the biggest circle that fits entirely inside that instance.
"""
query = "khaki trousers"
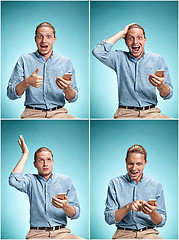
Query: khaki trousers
(60, 113)
(153, 113)
(63, 233)
(129, 234)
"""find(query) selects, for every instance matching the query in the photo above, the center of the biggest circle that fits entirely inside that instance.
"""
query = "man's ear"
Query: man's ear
(35, 164)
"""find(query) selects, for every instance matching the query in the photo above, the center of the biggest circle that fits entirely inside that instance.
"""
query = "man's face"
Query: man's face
(135, 41)
(44, 164)
(45, 40)
(135, 164)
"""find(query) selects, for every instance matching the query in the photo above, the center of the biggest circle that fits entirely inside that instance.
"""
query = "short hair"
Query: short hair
(135, 26)
(45, 24)
(41, 150)
(137, 149)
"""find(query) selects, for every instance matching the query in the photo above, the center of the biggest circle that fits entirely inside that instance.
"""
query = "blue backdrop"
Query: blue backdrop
(69, 142)
(160, 21)
(109, 143)
(71, 21)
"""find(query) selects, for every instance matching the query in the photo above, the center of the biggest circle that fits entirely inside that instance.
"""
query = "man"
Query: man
(136, 74)
(48, 213)
(41, 76)
(127, 203)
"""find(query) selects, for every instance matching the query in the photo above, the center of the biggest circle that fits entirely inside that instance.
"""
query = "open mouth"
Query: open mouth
(134, 174)
(135, 48)
(44, 47)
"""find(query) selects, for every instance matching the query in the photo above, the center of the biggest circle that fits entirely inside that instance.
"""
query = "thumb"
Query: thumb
(36, 71)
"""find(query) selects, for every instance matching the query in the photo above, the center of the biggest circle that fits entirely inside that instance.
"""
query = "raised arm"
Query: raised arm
(112, 40)
(19, 168)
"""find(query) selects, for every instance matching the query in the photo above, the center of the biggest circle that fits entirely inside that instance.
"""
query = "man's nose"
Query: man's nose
(134, 167)
(134, 40)
(45, 163)
(43, 39)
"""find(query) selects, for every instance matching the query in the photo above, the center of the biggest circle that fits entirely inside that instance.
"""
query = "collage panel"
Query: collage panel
(146, 80)
(110, 141)
(69, 143)
(48, 84)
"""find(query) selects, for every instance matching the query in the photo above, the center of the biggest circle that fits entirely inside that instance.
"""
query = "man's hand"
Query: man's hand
(23, 146)
(148, 208)
(155, 80)
(125, 29)
(59, 203)
(34, 80)
(136, 205)
(63, 83)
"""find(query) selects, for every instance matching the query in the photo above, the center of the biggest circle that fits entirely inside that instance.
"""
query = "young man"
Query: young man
(136, 74)
(128, 205)
(41, 76)
(48, 212)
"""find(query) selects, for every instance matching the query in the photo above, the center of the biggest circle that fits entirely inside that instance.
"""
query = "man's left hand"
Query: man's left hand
(59, 203)
(155, 80)
(148, 208)
(63, 83)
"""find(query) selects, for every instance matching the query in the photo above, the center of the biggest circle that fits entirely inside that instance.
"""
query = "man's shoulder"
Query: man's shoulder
(27, 56)
(151, 180)
(154, 55)
(61, 57)
(118, 179)
(61, 177)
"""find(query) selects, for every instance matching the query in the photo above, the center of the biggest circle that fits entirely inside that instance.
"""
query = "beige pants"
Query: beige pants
(63, 233)
(60, 113)
(129, 234)
(153, 113)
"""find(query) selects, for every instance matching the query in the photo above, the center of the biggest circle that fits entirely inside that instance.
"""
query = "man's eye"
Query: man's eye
(48, 36)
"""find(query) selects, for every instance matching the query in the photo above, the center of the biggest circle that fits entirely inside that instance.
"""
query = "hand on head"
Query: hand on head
(23, 145)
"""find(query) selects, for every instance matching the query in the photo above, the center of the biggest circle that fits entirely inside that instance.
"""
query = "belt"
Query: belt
(135, 230)
(51, 109)
(48, 228)
(138, 108)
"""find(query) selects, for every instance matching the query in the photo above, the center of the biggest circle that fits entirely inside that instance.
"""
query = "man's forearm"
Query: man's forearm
(112, 40)
(22, 86)
(69, 93)
(155, 217)
(19, 168)
(121, 213)
(163, 89)
(69, 210)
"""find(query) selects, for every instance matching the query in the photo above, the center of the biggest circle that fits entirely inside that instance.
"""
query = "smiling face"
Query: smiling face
(44, 40)
(44, 164)
(135, 164)
(135, 41)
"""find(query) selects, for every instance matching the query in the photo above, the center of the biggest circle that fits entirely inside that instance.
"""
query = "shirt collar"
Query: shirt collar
(43, 179)
(42, 57)
(134, 59)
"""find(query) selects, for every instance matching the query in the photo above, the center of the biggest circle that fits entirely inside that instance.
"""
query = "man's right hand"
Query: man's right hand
(23, 146)
(125, 29)
(136, 205)
(34, 80)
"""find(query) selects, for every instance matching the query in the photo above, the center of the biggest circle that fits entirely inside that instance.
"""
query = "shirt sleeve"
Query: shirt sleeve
(73, 200)
(167, 79)
(16, 77)
(19, 181)
(73, 83)
(111, 205)
(161, 209)
(104, 54)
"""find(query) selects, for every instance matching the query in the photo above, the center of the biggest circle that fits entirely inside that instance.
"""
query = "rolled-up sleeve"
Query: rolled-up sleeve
(16, 77)
(161, 209)
(19, 181)
(111, 205)
(73, 83)
(73, 200)
(104, 54)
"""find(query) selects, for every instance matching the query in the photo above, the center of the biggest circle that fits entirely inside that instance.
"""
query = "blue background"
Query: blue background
(160, 22)
(69, 142)
(18, 24)
(109, 143)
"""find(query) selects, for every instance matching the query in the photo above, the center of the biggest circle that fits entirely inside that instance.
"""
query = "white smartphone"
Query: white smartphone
(159, 73)
(67, 76)
(151, 201)
(61, 196)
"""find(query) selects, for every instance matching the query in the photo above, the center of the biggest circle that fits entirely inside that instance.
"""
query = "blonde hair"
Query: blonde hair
(137, 149)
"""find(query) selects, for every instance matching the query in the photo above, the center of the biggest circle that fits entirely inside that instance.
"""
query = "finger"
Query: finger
(155, 80)
(37, 70)
(65, 81)
(64, 85)
(59, 85)
(19, 142)
(58, 205)
(40, 78)
(153, 83)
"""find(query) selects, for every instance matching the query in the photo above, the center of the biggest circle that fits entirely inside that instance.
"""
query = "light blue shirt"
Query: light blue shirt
(48, 95)
(40, 192)
(122, 190)
(134, 88)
